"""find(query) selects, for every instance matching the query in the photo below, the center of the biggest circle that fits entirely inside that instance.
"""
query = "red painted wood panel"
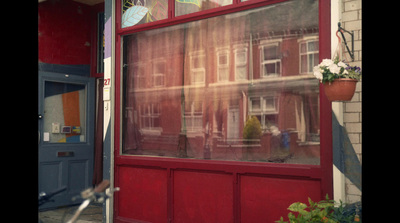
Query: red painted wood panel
(64, 32)
(143, 194)
(203, 197)
(266, 199)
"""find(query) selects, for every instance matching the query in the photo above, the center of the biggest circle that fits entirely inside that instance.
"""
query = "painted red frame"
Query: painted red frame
(323, 172)
(93, 53)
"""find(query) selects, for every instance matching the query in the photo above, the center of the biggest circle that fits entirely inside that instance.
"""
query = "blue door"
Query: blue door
(66, 135)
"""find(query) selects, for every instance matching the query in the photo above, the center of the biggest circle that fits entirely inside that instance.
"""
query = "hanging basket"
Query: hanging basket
(341, 89)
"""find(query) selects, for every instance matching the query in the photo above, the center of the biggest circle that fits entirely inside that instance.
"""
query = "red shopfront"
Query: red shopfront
(218, 115)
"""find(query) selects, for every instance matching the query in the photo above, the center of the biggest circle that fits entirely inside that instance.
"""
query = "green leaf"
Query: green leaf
(281, 221)
(298, 206)
(324, 205)
(310, 202)
(306, 214)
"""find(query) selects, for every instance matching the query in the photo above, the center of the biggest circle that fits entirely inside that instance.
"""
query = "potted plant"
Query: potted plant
(339, 79)
(252, 130)
(326, 211)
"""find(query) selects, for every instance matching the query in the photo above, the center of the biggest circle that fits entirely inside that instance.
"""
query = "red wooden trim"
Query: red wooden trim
(252, 168)
(323, 172)
(118, 86)
(235, 7)
(325, 105)
(93, 60)
(326, 158)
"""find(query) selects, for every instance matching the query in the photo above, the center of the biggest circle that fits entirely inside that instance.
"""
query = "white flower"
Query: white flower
(326, 62)
(317, 72)
(334, 69)
(341, 64)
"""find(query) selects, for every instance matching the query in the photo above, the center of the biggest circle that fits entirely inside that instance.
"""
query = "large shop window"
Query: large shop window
(232, 87)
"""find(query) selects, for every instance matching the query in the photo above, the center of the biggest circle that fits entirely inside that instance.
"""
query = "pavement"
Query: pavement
(92, 214)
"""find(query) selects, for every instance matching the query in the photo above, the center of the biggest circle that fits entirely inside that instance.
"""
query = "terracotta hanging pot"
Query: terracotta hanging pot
(341, 89)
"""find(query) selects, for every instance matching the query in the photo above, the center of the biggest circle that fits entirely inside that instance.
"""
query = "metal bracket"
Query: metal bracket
(340, 29)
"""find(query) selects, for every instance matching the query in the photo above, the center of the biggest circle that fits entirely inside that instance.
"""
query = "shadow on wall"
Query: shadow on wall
(344, 156)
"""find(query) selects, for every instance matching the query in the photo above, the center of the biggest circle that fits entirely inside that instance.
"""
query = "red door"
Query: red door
(176, 159)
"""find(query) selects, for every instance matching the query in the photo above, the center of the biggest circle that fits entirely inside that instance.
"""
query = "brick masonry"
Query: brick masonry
(352, 116)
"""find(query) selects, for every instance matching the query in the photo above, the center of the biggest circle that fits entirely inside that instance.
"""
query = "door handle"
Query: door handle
(40, 116)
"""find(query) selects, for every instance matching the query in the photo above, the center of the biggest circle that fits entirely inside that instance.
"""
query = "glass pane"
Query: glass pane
(223, 59)
(269, 69)
(240, 57)
(183, 7)
(136, 12)
(223, 74)
(270, 52)
(245, 117)
(64, 113)
(241, 73)
(303, 63)
(303, 48)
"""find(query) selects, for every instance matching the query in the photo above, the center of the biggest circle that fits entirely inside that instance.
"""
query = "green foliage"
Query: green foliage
(252, 129)
(322, 211)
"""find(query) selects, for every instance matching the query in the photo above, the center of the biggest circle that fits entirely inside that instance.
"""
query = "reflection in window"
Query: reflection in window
(197, 69)
(183, 7)
(190, 89)
(270, 60)
(223, 65)
(193, 116)
(159, 70)
(309, 55)
(150, 117)
(265, 109)
(241, 63)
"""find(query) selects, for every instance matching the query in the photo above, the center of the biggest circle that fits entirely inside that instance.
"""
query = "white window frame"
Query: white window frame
(140, 77)
(264, 110)
(151, 129)
(192, 118)
(194, 71)
(239, 49)
(263, 72)
(306, 41)
(222, 52)
(158, 75)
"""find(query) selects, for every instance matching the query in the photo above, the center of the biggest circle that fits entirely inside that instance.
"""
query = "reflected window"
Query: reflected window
(270, 60)
(223, 65)
(265, 108)
(241, 63)
(159, 70)
(197, 69)
(193, 116)
(309, 55)
(150, 118)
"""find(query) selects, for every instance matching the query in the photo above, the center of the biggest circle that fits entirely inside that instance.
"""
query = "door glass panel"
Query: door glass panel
(64, 113)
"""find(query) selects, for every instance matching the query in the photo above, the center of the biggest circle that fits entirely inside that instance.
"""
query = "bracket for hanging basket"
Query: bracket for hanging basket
(341, 30)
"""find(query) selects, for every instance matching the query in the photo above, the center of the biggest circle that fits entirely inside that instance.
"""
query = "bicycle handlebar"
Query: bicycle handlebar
(93, 194)
(102, 186)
